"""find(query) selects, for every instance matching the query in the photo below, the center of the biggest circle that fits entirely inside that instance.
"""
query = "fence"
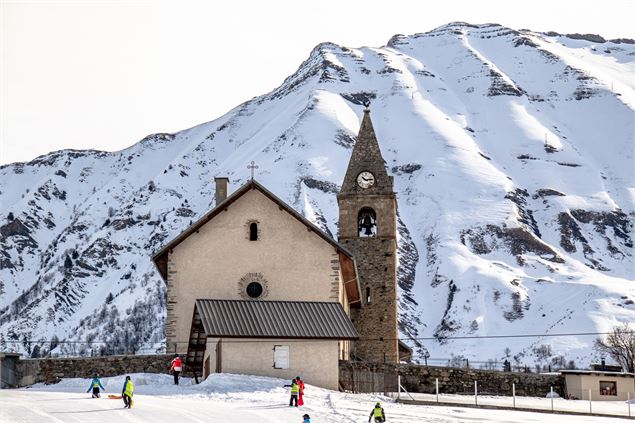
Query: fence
(75, 349)
(583, 401)
(367, 381)
(97, 348)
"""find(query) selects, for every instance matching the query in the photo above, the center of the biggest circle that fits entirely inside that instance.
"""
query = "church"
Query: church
(253, 287)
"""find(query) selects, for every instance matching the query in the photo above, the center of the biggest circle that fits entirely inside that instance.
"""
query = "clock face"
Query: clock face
(365, 179)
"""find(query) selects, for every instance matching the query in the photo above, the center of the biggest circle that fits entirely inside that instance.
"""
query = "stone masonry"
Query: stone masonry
(416, 378)
(170, 321)
(375, 257)
(51, 370)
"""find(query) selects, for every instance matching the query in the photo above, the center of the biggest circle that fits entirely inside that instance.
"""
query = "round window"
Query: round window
(254, 289)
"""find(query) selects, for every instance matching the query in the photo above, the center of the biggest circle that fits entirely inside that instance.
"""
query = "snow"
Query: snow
(231, 398)
(617, 408)
(456, 150)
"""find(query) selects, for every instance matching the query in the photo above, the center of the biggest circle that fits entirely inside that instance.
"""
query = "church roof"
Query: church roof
(274, 319)
(346, 257)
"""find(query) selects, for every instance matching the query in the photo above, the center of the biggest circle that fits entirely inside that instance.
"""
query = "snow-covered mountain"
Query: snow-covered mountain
(512, 153)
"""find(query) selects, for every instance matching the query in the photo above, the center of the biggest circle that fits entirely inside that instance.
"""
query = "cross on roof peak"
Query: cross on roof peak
(252, 166)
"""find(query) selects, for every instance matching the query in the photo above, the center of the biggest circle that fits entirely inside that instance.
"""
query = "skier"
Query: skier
(301, 390)
(95, 384)
(175, 368)
(295, 390)
(126, 392)
(378, 414)
(306, 419)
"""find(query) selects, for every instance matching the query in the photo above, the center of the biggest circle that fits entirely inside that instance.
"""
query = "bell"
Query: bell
(367, 225)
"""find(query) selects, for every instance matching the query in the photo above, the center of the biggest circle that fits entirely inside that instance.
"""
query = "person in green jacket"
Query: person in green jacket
(126, 392)
(378, 414)
(295, 391)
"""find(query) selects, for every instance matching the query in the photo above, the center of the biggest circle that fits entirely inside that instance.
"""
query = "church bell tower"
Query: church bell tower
(368, 228)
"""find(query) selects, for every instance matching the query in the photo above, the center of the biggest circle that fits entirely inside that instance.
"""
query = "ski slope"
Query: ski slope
(227, 398)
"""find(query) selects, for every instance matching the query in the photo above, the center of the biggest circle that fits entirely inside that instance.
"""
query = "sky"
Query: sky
(104, 74)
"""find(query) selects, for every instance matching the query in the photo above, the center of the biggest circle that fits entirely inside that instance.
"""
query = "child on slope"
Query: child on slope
(95, 384)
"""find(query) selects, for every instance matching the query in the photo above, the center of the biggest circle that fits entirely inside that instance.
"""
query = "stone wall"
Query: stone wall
(375, 257)
(416, 378)
(51, 370)
(376, 321)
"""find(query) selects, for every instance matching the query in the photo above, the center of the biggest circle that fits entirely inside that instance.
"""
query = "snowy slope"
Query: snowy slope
(512, 153)
(230, 398)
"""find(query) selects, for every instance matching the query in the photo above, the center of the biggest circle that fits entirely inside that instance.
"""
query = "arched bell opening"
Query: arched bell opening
(367, 223)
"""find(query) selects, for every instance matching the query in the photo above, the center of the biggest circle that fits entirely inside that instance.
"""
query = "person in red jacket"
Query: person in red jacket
(301, 386)
(176, 367)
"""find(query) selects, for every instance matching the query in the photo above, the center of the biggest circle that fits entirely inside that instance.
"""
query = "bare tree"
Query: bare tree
(620, 346)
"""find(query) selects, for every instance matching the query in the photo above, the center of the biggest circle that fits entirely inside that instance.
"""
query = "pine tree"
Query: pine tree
(36, 352)
(55, 341)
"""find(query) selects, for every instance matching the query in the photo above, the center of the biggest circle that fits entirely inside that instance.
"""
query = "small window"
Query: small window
(254, 290)
(253, 231)
(367, 295)
(281, 357)
(608, 388)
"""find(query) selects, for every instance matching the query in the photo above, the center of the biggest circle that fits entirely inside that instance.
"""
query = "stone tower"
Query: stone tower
(368, 228)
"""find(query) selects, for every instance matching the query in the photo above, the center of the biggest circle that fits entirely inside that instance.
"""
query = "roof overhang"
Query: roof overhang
(405, 352)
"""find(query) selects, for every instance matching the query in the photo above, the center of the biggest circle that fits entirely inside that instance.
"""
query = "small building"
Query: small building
(270, 338)
(603, 385)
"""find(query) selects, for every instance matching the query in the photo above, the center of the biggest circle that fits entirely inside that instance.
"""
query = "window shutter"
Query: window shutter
(281, 356)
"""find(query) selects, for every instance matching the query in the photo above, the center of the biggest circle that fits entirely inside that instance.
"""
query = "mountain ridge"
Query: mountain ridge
(505, 200)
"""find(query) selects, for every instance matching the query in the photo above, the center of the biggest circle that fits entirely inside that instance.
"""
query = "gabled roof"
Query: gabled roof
(274, 319)
(351, 283)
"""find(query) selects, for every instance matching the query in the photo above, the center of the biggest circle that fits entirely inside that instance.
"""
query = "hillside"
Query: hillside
(512, 153)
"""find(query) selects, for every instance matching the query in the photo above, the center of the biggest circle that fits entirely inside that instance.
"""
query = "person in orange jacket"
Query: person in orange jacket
(301, 387)
(176, 366)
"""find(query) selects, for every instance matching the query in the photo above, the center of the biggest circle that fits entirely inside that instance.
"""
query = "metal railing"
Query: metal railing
(607, 402)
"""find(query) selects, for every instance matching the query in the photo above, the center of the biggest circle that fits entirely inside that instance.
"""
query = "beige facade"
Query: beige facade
(315, 361)
(603, 386)
(290, 261)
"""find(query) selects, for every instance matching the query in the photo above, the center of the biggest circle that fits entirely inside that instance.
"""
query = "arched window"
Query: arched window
(367, 222)
(253, 231)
